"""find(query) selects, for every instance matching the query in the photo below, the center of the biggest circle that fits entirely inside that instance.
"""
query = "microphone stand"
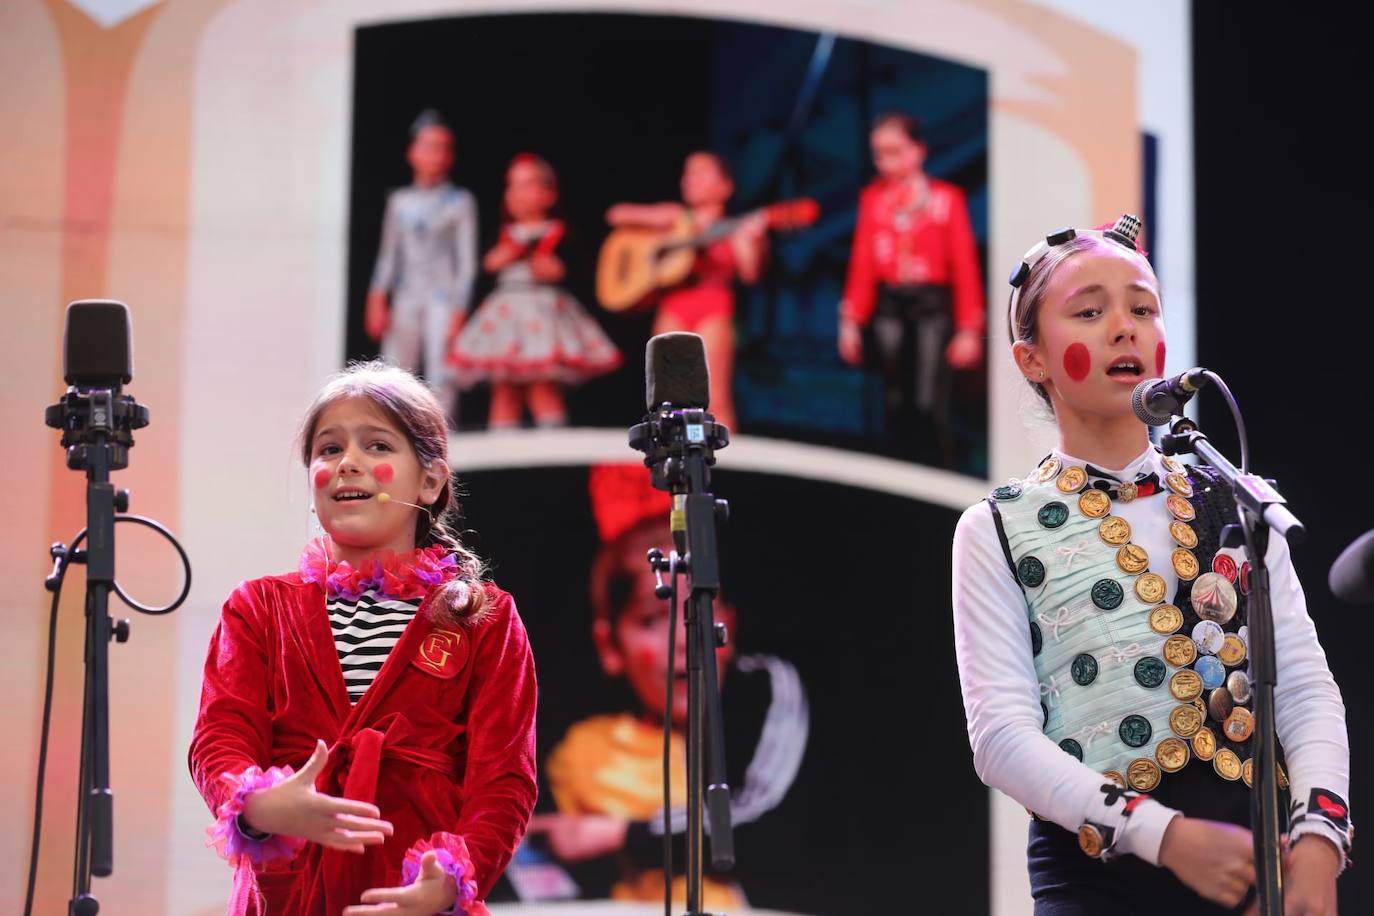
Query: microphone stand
(1261, 510)
(96, 428)
(679, 444)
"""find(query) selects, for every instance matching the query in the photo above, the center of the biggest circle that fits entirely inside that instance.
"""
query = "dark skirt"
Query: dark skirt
(1065, 882)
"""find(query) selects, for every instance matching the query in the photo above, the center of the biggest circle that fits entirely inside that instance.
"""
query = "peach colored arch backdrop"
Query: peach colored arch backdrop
(190, 157)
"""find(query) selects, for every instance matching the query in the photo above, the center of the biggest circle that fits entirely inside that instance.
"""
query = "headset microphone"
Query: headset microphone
(388, 498)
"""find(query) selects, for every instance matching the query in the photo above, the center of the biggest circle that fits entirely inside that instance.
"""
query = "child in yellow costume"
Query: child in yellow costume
(606, 774)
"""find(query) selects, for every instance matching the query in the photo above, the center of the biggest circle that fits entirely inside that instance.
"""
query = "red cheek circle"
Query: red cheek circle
(1159, 358)
(645, 658)
(1077, 362)
(322, 478)
(383, 472)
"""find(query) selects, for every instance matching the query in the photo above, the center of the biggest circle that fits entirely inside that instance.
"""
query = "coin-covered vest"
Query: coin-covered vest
(1132, 684)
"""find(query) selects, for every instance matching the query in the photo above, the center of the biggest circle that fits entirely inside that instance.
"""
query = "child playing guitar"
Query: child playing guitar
(705, 302)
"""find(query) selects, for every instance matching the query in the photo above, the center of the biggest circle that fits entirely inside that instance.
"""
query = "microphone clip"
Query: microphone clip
(669, 435)
(660, 565)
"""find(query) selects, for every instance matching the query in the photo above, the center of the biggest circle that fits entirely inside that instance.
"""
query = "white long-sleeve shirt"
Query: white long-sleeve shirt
(1002, 692)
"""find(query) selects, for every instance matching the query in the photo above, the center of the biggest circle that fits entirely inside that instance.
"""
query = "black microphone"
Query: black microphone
(675, 371)
(1156, 400)
(1352, 575)
(97, 360)
(97, 344)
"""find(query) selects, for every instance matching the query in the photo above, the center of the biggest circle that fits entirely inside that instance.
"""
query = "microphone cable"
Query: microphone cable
(54, 583)
(668, 744)
(1236, 416)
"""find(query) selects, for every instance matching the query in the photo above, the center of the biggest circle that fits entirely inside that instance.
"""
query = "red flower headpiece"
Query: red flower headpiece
(622, 497)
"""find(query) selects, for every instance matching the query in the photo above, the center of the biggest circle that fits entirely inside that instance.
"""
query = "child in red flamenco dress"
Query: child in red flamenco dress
(530, 337)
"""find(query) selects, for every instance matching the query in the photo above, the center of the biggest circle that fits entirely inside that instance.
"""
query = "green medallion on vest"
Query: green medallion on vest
(1135, 731)
(1031, 572)
(1052, 515)
(1107, 594)
(1149, 672)
(1083, 669)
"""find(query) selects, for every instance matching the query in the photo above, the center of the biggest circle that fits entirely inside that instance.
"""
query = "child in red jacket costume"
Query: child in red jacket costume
(398, 681)
(914, 281)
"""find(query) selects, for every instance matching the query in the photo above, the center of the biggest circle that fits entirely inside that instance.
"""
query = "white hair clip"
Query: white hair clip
(1125, 231)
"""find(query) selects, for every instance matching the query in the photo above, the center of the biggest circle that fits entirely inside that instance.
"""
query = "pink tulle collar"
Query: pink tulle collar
(394, 575)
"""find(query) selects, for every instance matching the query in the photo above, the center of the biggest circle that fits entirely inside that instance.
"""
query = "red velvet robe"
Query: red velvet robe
(443, 740)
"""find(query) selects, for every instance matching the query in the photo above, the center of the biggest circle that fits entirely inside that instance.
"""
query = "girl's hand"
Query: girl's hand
(649, 216)
(433, 892)
(851, 343)
(1310, 867)
(377, 315)
(748, 244)
(1212, 858)
(753, 228)
(504, 253)
(455, 327)
(618, 215)
(578, 837)
(965, 351)
(294, 808)
(547, 268)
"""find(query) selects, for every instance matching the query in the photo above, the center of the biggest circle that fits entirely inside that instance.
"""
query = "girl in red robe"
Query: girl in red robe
(366, 725)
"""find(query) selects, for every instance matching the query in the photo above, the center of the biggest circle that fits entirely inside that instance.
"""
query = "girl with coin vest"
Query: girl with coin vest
(1100, 630)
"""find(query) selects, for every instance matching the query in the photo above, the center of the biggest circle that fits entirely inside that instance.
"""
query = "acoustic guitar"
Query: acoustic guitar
(635, 262)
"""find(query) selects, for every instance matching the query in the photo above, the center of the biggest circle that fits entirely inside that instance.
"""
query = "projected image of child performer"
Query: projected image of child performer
(914, 282)
(606, 772)
(427, 262)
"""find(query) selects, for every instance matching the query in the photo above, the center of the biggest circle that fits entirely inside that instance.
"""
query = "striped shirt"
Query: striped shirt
(365, 631)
